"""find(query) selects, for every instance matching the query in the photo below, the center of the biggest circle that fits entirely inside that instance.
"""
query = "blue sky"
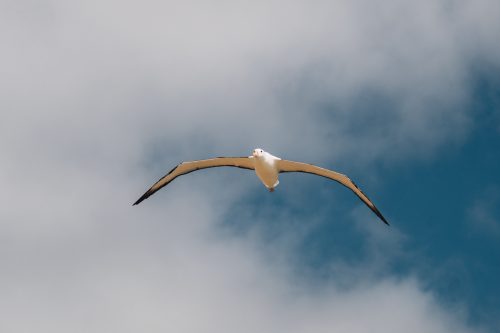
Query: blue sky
(101, 99)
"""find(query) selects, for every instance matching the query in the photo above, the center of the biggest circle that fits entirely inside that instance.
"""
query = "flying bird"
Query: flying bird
(267, 167)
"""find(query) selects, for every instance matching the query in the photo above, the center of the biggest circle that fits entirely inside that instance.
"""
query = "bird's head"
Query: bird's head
(258, 152)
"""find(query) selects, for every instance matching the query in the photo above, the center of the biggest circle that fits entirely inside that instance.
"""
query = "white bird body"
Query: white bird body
(267, 167)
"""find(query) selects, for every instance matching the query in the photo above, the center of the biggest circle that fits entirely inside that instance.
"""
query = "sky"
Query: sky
(99, 99)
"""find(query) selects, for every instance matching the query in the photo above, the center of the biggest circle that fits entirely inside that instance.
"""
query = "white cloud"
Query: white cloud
(93, 94)
(163, 267)
(264, 73)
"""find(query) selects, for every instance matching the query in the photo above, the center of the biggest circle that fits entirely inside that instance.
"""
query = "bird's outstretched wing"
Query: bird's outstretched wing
(187, 167)
(291, 166)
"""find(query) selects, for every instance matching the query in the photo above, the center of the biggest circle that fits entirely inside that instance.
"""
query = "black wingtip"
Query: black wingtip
(377, 212)
(144, 196)
(385, 221)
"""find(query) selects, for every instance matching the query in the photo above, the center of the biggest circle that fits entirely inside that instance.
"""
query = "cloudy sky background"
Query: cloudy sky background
(101, 98)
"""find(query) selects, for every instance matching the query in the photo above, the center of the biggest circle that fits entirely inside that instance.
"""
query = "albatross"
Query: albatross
(267, 167)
